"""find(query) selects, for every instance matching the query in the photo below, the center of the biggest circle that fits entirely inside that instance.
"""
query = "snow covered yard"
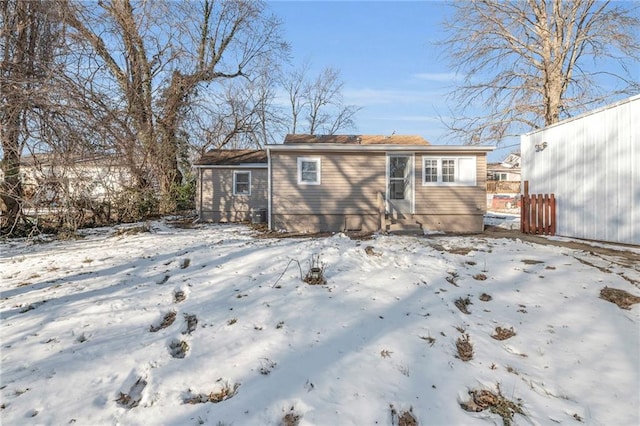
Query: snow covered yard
(212, 325)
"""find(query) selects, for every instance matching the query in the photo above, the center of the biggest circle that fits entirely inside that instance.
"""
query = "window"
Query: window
(448, 170)
(241, 183)
(309, 170)
(454, 171)
(430, 170)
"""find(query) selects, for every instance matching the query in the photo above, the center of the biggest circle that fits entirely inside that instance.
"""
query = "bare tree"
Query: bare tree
(158, 55)
(239, 113)
(29, 37)
(319, 100)
(531, 63)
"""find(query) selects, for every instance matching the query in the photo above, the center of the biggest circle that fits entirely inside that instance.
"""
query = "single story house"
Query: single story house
(590, 164)
(337, 183)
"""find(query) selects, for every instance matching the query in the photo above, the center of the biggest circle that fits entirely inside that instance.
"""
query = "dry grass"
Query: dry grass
(485, 297)
(462, 304)
(464, 347)
(133, 398)
(480, 277)
(482, 399)
(168, 319)
(226, 391)
(622, 298)
(291, 418)
(405, 418)
(503, 333)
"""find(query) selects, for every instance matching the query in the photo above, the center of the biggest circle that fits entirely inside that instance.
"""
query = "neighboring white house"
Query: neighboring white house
(592, 164)
(506, 170)
(47, 178)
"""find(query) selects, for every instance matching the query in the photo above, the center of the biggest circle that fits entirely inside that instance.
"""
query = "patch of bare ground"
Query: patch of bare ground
(132, 230)
(464, 348)
(291, 418)
(626, 257)
(185, 222)
(225, 392)
(403, 418)
(622, 298)
(453, 250)
(167, 320)
(503, 333)
(480, 277)
(482, 399)
(531, 261)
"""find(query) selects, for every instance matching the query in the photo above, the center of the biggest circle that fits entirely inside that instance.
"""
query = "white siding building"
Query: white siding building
(592, 164)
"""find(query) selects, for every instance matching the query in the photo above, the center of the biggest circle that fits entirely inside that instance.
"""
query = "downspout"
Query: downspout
(269, 201)
(200, 185)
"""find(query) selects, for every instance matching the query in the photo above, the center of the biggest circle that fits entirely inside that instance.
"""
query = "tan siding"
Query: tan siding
(453, 200)
(347, 194)
(349, 183)
(218, 201)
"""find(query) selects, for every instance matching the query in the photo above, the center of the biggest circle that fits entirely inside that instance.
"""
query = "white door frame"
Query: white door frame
(409, 204)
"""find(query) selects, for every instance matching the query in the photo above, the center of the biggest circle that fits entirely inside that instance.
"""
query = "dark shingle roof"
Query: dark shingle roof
(357, 139)
(232, 157)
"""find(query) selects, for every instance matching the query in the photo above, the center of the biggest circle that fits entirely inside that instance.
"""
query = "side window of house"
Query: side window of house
(241, 183)
(309, 170)
(452, 171)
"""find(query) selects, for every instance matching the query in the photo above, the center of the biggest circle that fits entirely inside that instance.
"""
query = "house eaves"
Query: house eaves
(232, 166)
(328, 147)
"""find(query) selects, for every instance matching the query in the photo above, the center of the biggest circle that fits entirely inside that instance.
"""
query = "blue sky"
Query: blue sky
(387, 57)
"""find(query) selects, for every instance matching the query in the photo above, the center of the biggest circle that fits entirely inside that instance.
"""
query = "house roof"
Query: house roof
(232, 157)
(355, 139)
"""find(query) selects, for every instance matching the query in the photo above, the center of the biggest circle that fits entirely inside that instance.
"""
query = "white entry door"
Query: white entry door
(399, 184)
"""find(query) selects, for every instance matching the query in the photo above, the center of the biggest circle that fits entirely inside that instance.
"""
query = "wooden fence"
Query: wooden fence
(537, 213)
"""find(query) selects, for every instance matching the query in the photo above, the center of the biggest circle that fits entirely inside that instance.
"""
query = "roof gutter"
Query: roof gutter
(232, 166)
(330, 147)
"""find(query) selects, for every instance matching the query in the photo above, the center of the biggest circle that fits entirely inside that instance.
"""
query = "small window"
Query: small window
(430, 170)
(309, 171)
(449, 170)
(241, 183)
(459, 171)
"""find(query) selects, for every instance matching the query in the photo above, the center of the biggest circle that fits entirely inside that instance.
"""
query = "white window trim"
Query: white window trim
(236, 173)
(318, 162)
(457, 181)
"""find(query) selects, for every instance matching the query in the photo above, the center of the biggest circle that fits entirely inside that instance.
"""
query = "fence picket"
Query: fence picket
(538, 213)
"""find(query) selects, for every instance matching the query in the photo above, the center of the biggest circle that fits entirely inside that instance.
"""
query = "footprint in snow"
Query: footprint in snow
(178, 348)
(192, 322)
(179, 296)
(133, 398)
